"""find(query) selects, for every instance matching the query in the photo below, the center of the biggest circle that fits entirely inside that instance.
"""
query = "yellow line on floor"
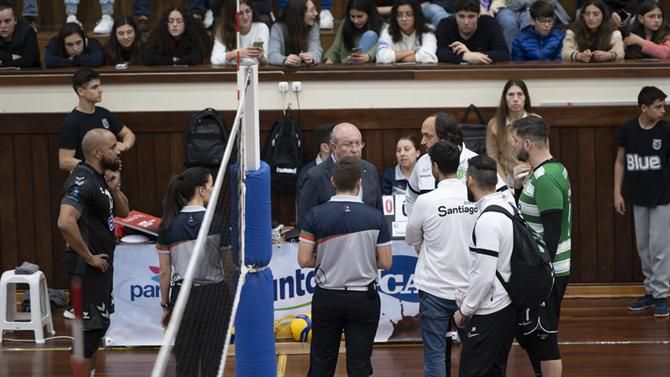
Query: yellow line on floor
(281, 365)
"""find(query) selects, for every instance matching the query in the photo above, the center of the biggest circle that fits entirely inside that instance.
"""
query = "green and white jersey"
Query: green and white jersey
(548, 189)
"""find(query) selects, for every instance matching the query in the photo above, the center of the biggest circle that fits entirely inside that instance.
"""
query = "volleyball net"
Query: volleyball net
(235, 237)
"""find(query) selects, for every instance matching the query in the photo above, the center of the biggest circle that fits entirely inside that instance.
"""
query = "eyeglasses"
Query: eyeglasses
(352, 144)
(401, 16)
(545, 20)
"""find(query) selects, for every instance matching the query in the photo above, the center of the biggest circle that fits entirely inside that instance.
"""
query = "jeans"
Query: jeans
(436, 314)
(72, 6)
(511, 22)
(434, 13)
(368, 40)
(142, 7)
(30, 8)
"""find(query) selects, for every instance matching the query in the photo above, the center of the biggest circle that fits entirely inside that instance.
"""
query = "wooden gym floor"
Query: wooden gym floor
(599, 337)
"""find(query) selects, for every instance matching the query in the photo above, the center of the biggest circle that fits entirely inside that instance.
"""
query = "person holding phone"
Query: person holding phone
(295, 37)
(254, 36)
(649, 36)
(593, 37)
(356, 39)
(92, 197)
(622, 11)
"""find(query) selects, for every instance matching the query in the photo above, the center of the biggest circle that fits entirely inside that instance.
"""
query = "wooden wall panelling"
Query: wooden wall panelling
(8, 214)
(56, 182)
(163, 161)
(568, 143)
(555, 142)
(176, 152)
(585, 199)
(146, 197)
(25, 229)
(604, 172)
(131, 179)
(603, 248)
(570, 6)
(42, 203)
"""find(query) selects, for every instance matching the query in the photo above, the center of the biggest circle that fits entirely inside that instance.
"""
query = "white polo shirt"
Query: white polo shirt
(442, 223)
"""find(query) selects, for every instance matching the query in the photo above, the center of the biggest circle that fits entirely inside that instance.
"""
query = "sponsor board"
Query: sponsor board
(136, 320)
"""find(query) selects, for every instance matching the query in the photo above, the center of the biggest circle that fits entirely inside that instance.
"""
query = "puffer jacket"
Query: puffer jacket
(530, 45)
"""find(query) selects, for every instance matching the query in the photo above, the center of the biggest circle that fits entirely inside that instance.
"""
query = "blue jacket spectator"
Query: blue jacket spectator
(71, 48)
(531, 45)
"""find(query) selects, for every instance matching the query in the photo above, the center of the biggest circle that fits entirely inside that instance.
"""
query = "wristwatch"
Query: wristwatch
(165, 306)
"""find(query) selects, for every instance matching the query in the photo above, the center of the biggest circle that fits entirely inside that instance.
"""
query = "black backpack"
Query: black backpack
(205, 139)
(474, 134)
(284, 152)
(532, 276)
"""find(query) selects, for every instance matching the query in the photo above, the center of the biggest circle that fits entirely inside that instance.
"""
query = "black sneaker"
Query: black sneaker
(661, 308)
(642, 303)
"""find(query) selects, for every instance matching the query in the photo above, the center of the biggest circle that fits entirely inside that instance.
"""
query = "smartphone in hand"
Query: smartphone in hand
(356, 50)
(258, 44)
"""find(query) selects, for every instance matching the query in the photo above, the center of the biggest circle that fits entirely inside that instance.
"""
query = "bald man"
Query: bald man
(346, 140)
(91, 199)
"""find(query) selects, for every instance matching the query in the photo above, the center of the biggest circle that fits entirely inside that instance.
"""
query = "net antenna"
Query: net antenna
(246, 117)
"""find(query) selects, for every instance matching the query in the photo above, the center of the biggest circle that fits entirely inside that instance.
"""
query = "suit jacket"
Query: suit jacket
(301, 178)
(317, 188)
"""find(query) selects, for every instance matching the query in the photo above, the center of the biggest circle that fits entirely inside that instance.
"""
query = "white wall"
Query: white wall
(329, 95)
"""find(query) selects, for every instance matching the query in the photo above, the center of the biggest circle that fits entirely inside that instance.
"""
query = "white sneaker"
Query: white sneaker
(72, 19)
(326, 19)
(208, 20)
(68, 313)
(104, 26)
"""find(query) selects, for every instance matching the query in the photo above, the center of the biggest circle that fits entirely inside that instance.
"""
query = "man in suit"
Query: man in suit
(322, 144)
(345, 141)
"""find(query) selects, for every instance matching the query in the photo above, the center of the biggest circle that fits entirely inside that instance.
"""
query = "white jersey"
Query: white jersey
(422, 181)
(442, 223)
(491, 251)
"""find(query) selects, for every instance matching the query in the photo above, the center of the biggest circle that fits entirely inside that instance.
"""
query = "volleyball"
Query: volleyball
(301, 327)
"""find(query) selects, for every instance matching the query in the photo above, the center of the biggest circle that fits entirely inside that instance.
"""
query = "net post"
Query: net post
(252, 154)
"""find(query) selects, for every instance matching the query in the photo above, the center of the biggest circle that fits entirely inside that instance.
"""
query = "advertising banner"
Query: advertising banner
(399, 320)
(136, 320)
(137, 314)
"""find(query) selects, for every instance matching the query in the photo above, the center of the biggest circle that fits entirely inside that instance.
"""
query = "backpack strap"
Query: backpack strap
(499, 209)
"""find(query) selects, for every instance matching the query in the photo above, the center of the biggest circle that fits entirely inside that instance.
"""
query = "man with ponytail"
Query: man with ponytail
(91, 199)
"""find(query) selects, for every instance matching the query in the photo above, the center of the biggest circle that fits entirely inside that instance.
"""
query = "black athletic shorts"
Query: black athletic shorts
(542, 343)
(97, 303)
(487, 342)
(92, 340)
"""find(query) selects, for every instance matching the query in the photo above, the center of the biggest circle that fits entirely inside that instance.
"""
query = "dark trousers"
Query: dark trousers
(199, 343)
(486, 344)
(334, 311)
